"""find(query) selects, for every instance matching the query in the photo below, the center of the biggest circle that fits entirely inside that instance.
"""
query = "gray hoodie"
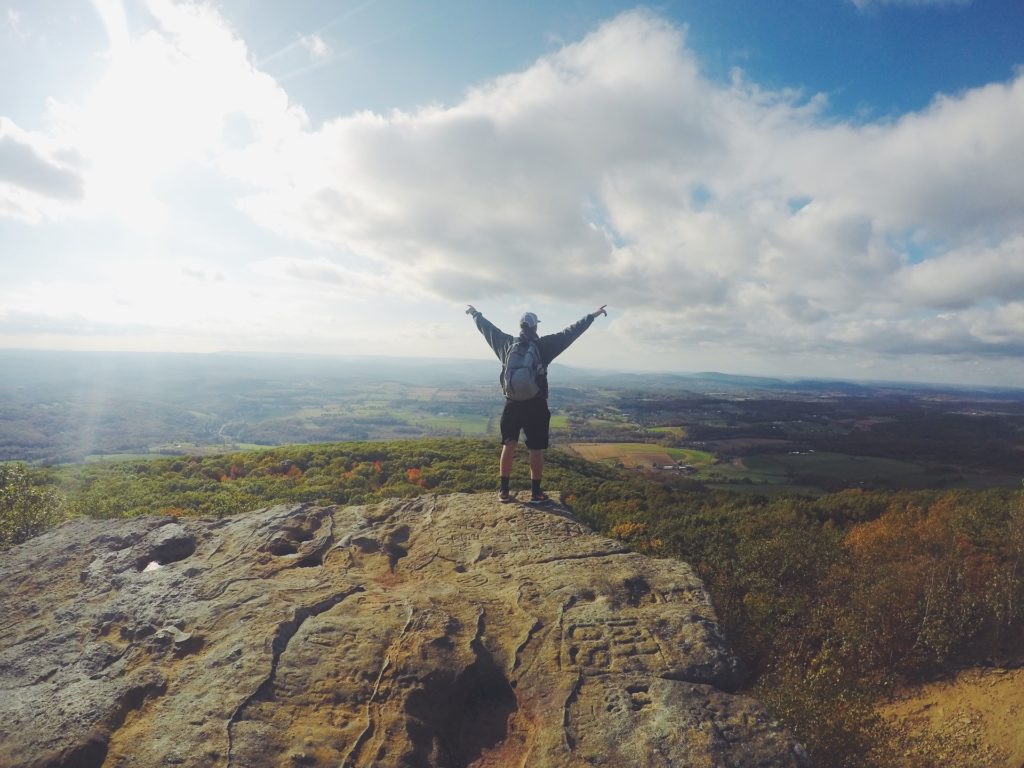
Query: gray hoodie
(550, 346)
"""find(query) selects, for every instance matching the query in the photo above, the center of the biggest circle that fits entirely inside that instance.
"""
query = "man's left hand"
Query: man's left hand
(600, 311)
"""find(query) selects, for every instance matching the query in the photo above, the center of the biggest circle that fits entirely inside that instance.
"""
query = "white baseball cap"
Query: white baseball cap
(529, 319)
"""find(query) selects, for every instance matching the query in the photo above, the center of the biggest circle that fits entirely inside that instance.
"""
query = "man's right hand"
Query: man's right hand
(470, 309)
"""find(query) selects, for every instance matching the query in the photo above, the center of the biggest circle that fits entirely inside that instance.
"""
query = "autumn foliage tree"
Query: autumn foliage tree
(933, 584)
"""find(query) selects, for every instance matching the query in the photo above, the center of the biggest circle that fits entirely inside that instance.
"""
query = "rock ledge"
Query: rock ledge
(445, 631)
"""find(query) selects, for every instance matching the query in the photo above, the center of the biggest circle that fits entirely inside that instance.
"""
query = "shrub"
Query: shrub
(28, 507)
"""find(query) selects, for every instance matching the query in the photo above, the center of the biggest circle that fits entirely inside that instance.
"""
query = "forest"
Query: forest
(831, 600)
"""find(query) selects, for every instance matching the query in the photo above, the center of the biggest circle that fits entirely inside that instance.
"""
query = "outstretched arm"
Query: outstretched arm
(557, 343)
(497, 339)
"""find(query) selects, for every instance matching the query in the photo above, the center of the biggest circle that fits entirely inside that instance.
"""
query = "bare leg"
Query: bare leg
(536, 465)
(508, 454)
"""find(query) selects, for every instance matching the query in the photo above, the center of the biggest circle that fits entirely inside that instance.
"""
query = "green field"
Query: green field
(813, 469)
(466, 424)
(674, 432)
(641, 454)
(559, 421)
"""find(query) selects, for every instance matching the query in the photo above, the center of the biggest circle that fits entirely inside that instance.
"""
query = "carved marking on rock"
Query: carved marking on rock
(600, 646)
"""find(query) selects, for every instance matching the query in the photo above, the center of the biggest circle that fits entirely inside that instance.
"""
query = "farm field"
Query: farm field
(850, 470)
(839, 467)
(678, 433)
(815, 472)
(641, 454)
(559, 421)
(468, 425)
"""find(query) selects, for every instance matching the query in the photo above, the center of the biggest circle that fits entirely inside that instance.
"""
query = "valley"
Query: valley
(729, 432)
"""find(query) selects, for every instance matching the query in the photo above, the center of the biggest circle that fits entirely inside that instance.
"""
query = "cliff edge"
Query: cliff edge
(445, 631)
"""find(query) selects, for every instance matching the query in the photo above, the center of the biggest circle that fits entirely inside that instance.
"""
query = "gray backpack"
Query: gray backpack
(523, 370)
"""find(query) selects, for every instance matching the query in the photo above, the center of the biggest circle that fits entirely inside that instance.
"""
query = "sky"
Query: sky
(808, 188)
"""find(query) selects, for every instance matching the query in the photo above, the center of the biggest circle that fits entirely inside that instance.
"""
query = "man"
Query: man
(530, 415)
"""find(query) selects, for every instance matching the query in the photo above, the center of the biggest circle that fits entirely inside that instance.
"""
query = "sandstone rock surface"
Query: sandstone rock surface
(442, 631)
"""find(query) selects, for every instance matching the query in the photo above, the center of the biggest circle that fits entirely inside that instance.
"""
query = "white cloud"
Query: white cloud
(37, 176)
(725, 218)
(949, 170)
(14, 23)
(115, 23)
(315, 45)
(612, 170)
(966, 277)
(176, 97)
(328, 276)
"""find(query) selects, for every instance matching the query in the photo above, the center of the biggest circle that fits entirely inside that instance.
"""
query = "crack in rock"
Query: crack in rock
(285, 632)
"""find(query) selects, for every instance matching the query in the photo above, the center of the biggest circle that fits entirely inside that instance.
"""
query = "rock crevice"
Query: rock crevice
(279, 644)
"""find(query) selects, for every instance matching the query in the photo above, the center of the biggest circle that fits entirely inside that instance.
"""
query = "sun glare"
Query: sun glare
(164, 105)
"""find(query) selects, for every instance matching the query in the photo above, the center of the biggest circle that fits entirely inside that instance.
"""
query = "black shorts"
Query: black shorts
(530, 416)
